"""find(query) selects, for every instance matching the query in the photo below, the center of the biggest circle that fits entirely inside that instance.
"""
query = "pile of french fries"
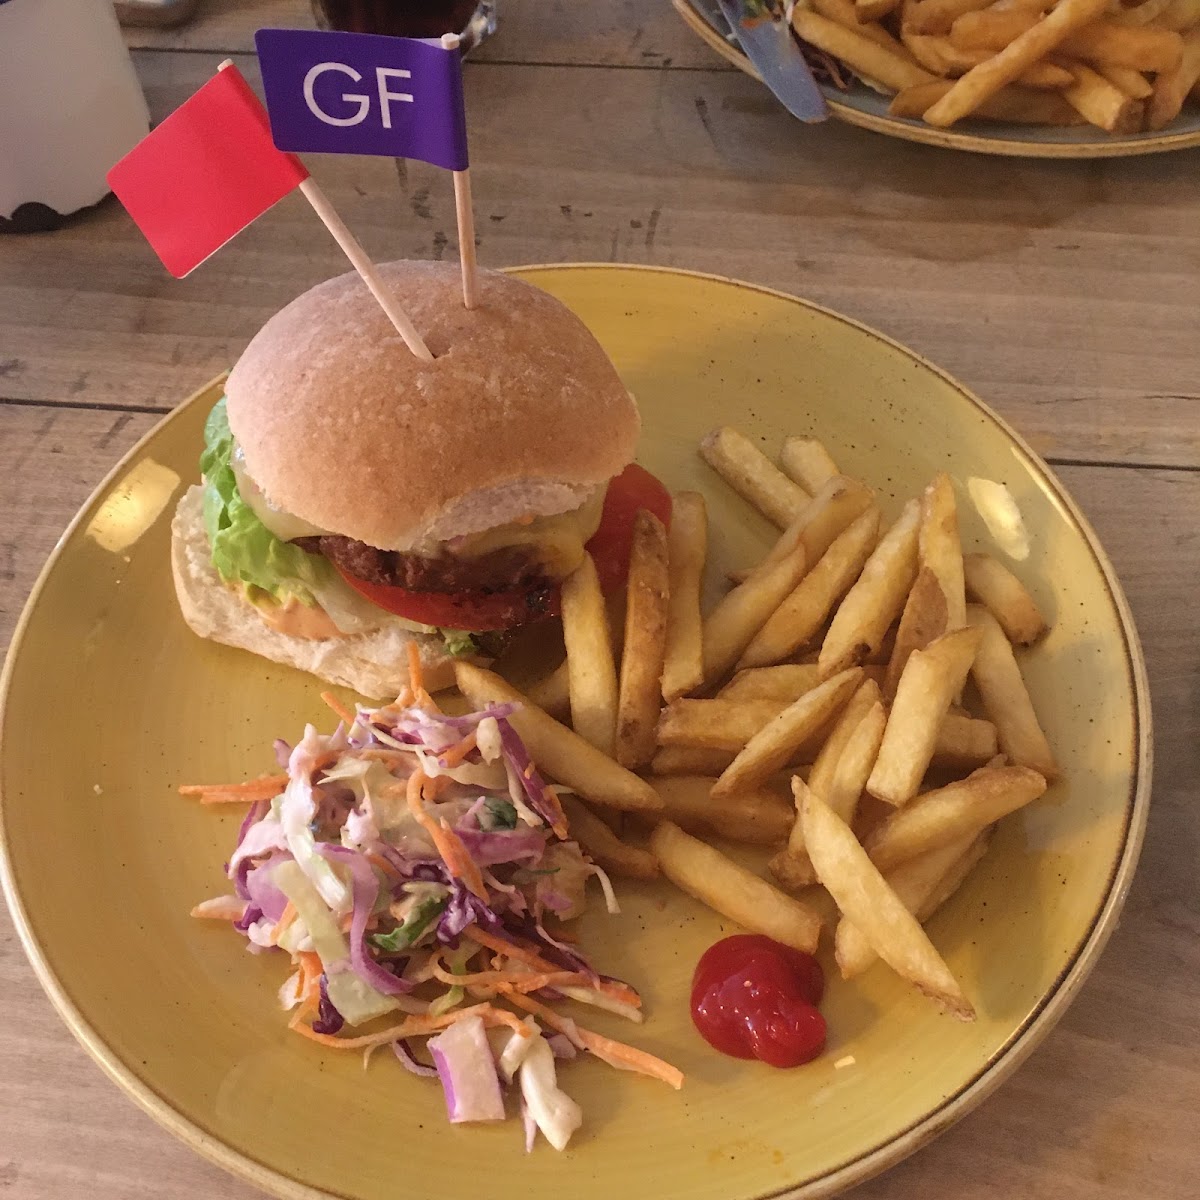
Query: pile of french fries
(1121, 66)
(853, 702)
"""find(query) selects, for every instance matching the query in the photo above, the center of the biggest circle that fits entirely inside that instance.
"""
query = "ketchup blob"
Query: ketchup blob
(755, 998)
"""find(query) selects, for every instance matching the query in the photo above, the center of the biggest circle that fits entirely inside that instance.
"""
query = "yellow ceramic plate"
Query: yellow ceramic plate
(861, 105)
(110, 703)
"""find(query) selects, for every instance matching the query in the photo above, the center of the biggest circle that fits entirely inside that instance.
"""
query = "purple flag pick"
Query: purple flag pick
(362, 93)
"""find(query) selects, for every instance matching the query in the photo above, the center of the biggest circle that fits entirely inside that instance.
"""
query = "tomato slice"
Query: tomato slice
(479, 612)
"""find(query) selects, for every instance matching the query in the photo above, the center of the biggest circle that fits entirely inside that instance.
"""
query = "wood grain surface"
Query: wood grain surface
(1064, 293)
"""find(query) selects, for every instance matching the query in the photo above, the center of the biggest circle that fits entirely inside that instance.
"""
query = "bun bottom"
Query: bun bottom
(374, 664)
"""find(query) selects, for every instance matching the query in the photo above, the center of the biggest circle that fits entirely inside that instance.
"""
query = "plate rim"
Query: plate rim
(908, 130)
(991, 1074)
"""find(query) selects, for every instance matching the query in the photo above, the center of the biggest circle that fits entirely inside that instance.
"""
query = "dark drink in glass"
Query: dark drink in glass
(472, 20)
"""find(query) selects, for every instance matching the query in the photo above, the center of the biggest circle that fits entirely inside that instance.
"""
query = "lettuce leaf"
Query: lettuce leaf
(459, 643)
(244, 550)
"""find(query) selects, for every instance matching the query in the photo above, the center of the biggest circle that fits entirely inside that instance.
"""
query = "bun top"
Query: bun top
(520, 413)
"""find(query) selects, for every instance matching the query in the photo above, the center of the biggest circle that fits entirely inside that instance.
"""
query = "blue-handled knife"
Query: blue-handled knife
(769, 45)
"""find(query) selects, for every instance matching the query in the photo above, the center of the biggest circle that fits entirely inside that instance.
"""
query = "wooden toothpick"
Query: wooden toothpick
(466, 217)
(361, 262)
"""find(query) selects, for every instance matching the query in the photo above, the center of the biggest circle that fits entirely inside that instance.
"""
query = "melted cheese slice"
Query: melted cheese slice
(559, 540)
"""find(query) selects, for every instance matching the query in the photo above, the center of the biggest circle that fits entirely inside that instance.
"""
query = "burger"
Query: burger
(356, 498)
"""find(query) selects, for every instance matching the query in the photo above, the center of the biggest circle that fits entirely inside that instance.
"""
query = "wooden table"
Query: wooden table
(1064, 293)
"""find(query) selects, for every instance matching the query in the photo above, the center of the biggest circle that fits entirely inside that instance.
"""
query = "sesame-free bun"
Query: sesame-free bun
(374, 663)
(520, 413)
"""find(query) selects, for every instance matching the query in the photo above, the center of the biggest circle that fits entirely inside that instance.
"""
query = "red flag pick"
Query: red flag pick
(205, 173)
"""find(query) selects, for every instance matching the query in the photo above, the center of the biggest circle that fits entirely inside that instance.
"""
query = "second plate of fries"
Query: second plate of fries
(875, 691)
(1025, 78)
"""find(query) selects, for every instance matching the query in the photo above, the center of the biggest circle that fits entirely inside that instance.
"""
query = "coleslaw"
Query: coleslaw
(415, 868)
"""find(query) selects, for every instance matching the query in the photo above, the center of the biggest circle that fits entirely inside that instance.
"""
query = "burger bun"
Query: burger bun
(374, 664)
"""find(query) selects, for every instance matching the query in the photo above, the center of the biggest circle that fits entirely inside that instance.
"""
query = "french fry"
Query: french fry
(799, 617)
(1029, 47)
(1171, 88)
(553, 692)
(1142, 49)
(690, 760)
(1179, 15)
(752, 475)
(773, 745)
(609, 851)
(645, 642)
(843, 12)
(1043, 76)
(865, 898)
(859, 53)
(874, 10)
(931, 679)
(954, 878)
(923, 619)
(687, 548)
(1140, 14)
(591, 671)
(808, 463)
(875, 601)
(839, 502)
(936, 53)
(558, 751)
(1102, 103)
(1097, 42)
(1133, 83)
(793, 867)
(1011, 104)
(761, 816)
(784, 683)
(964, 743)
(939, 549)
(995, 587)
(741, 613)
(1006, 699)
(960, 808)
(731, 890)
(932, 876)
(936, 16)
(717, 724)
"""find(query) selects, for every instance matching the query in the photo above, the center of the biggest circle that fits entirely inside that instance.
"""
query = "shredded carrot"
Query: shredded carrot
(285, 919)
(530, 958)
(519, 981)
(558, 818)
(616, 1054)
(220, 908)
(267, 787)
(338, 707)
(377, 860)
(630, 1058)
(564, 1025)
(414, 1027)
(510, 949)
(459, 751)
(310, 973)
(448, 844)
(304, 1009)
(404, 699)
(416, 678)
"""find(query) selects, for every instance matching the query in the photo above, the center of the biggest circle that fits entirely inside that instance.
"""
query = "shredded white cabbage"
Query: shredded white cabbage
(556, 1114)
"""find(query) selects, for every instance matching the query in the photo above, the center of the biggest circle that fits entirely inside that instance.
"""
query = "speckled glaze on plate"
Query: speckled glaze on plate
(102, 860)
(861, 105)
